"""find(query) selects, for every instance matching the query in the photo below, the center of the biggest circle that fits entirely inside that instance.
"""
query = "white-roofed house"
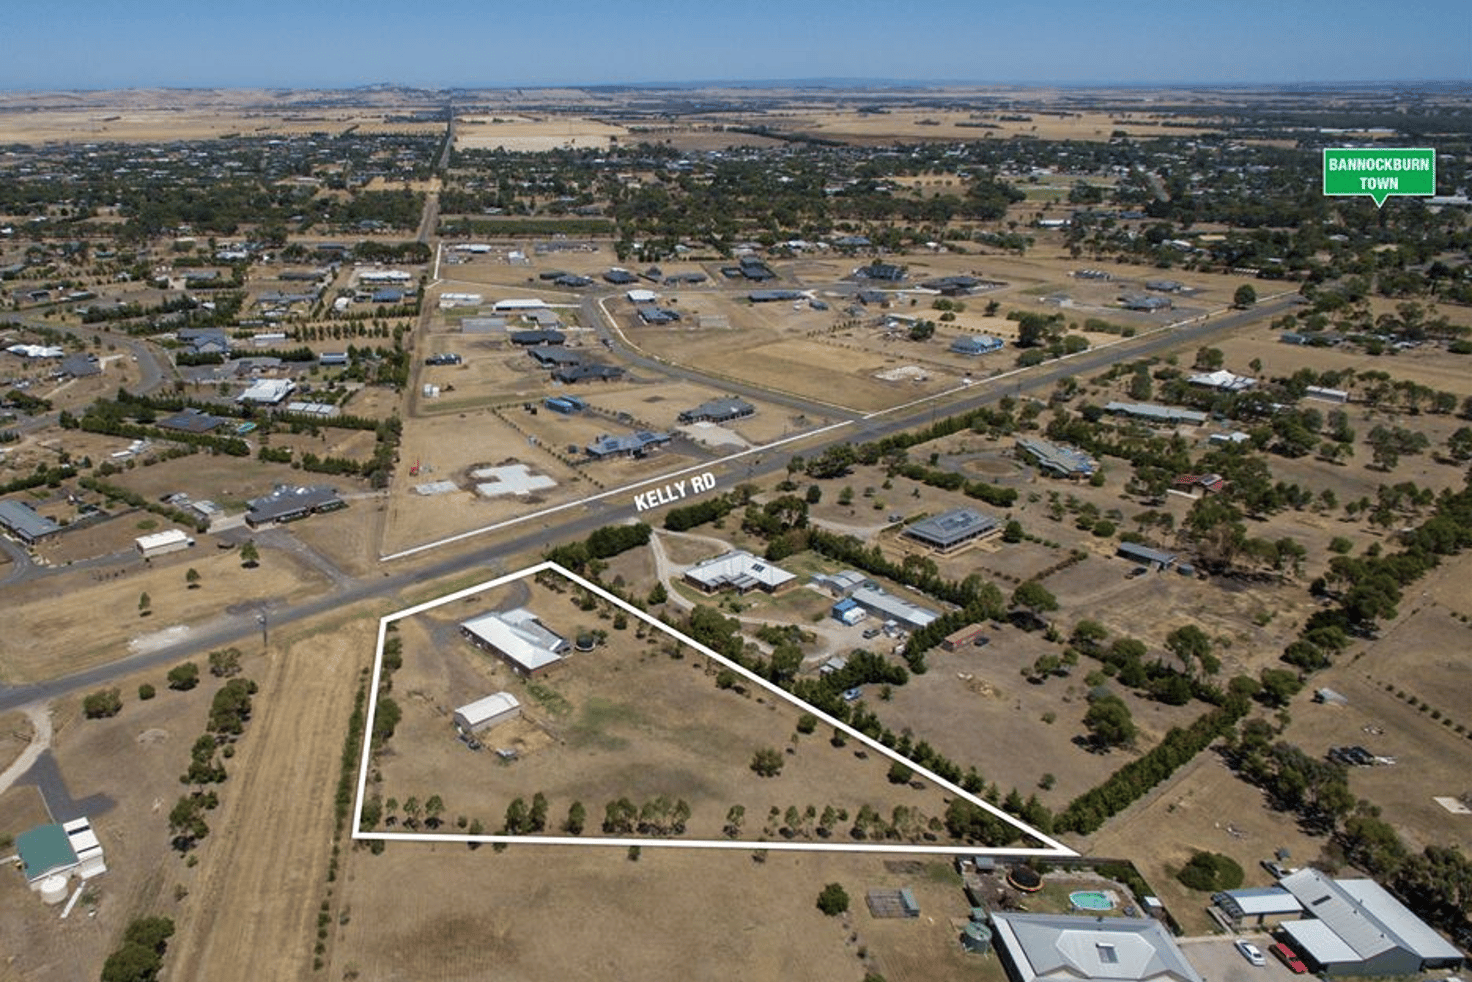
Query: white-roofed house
(1069, 948)
(519, 639)
(740, 571)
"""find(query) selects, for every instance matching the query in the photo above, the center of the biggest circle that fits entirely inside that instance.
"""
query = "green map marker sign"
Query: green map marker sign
(1379, 173)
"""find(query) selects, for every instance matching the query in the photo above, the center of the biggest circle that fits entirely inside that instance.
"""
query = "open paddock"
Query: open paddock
(768, 925)
(975, 706)
(626, 719)
(49, 640)
(140, 124)
(449, 448)
(934, 123)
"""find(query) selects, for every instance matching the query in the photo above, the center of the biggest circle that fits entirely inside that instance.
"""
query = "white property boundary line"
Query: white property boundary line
(1052, 847)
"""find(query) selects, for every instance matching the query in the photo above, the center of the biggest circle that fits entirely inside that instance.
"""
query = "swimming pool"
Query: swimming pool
(1091, 900)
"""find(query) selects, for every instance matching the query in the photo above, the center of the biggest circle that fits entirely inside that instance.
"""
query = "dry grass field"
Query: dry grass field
(624, 720)
(48, 639)
(974, 706)
(148, 116)
(534, 134)
(132, 762)
(674, 915)
(16, 733)
(277, 804)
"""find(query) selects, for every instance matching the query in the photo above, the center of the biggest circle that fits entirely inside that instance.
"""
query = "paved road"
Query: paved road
(534, 534)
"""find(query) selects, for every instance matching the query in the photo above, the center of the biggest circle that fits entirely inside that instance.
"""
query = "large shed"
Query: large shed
(487, 712)
(1358, 928)
(163, 543)
(1144, 554)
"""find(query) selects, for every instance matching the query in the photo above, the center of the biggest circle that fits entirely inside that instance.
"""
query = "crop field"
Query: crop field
(148, 125)
(941, 124)
(531, 134)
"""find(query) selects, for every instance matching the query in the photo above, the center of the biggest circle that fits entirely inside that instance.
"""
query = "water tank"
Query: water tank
(53, 889)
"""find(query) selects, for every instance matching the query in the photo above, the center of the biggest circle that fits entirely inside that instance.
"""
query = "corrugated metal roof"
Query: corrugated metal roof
(23, 520)
(1363, 916)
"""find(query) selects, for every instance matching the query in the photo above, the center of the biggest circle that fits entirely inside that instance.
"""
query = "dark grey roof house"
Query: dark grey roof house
(552, 356)
(953, 529)
(287, 504)
(584, 373)
(632, 445)
(718, 411)
(22, 521)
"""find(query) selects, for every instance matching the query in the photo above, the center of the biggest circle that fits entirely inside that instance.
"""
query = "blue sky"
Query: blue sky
(495, 43)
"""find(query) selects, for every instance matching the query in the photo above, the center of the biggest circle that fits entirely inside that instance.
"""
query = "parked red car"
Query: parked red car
(1289, 957)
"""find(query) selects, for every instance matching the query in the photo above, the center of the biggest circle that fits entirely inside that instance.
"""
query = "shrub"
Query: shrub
(184, 677)
(833, 900)
(102, 704)
(1210, 872)
(767, 762)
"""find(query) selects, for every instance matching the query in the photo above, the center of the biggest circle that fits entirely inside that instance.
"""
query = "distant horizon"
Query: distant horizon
(819, 82)
(100, 45)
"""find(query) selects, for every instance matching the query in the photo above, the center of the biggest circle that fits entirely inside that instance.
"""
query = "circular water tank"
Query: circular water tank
(53, 889)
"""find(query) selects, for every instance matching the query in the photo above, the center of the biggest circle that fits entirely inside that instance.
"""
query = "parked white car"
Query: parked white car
(1252, 953)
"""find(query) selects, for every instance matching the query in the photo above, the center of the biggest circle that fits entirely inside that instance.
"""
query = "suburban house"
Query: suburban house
(191, 420)
(552, 356)
(953, 529)
(539, 338)
(979, 344)
(22, 521)
(1223, 381)
(204, 341)
(718, 411)
(631, 445)
(518, 639)
(739, 571)
(1057, 460)
(583, 373)
(1070, 948)
(80, 365)
(288, 504)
